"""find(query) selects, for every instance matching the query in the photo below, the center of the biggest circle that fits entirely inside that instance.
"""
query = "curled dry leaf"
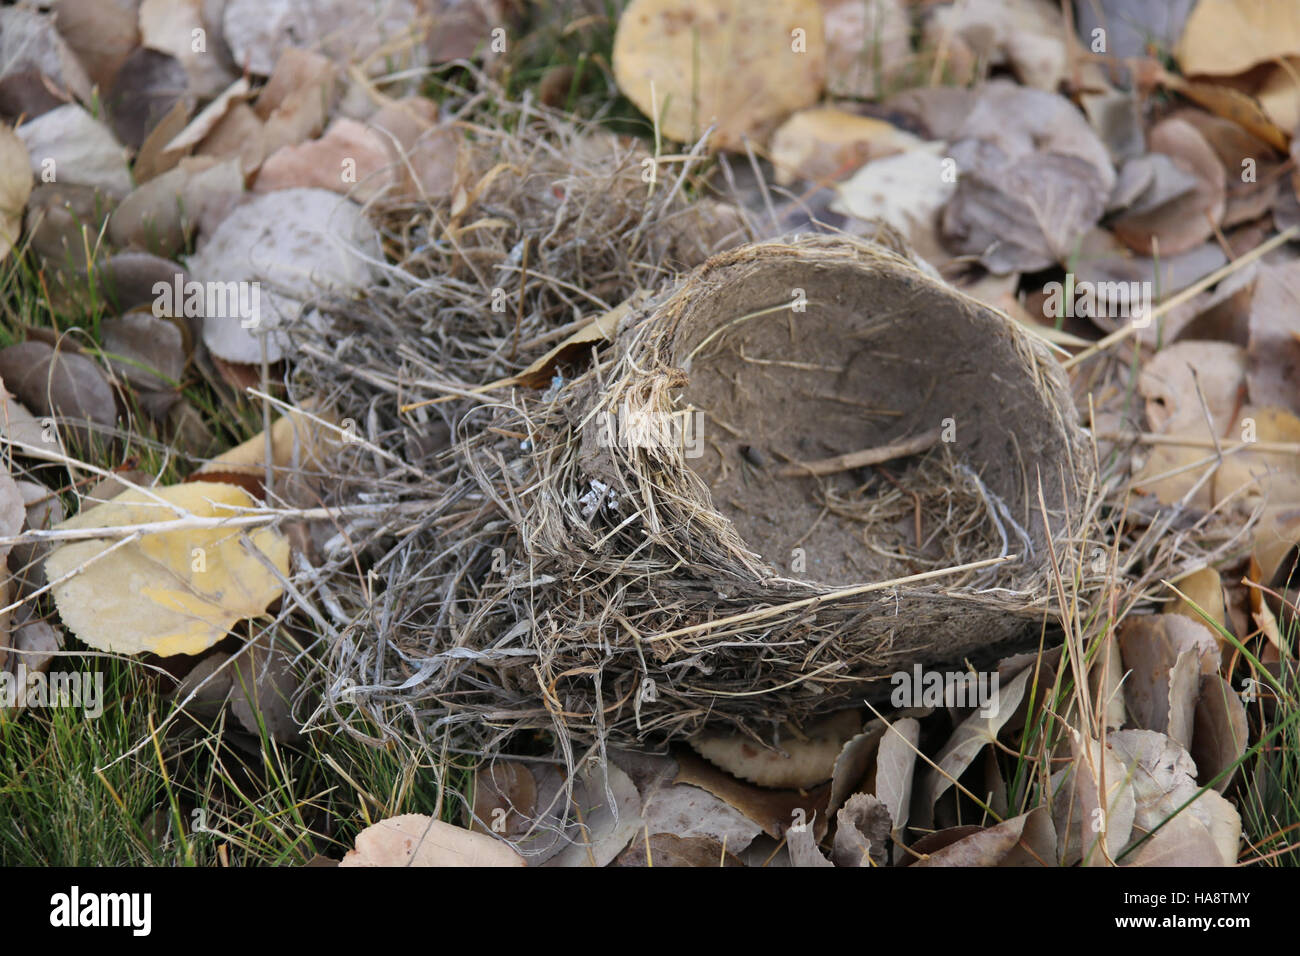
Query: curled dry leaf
(1173, 221)
(1026, 840)
(862, 832)
(350, 158)
(414, 839)
(774, 810)
(804, 760)
(744, 66)
(1165, 654)
(168, 592)
(1027, 35)
(895, 768)
(1163, 778)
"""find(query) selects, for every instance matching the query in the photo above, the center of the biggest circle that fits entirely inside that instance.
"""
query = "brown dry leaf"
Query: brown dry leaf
(170, 592)
(681, 809)
(669, 849)
(972, 735)
(29, 41)
(806, 758)
(801, 844)
(604, 828)
(35, 645)
(102, 33)
(1026, 840)
(1273, 374)
(1106, 679)
(414, 839)
(774, 810)
(153, 158)
(1163, 779)
(905, 191)
(824, 144)
(1220, 732)
(350, 158)
(61, 384)
(1233, 105)
(855, 760)
(297, 99)
(1204, 588)
(162, 215)
(15, 188)
(209, 118)
(1170, 378)
(1027, 35)
(1225, 37)
(144, 350)
(895, 770)
(1249, 476)
(505, 798)
(263, 686)
(1179, 222)
(862, 832)
(239, 134)
(147, 88)
(176, 27)
(868, 45)
(1165, 655)
(742, 65)
(1093, 806)
(1020, 214)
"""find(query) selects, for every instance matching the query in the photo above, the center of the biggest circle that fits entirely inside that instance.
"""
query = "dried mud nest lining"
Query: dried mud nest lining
(644, 581)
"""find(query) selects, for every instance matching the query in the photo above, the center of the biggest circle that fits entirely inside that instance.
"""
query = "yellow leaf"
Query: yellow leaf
(1225, 37)
(169, 592)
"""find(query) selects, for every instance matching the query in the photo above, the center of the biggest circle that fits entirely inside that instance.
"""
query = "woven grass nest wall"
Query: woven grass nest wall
(627, 576)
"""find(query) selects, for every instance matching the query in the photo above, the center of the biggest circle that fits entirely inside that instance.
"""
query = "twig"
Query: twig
(860, 459)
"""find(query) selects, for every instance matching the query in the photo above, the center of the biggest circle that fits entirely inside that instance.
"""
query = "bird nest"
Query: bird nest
(807, 466)
(772, 481)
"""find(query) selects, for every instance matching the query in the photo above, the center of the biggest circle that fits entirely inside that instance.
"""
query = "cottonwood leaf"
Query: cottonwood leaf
(169, 592)
(803, 761)
(972, 735)
(414, 839)
(688, 65)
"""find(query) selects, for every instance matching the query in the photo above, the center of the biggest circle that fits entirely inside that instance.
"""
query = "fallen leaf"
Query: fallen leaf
(147, 88)
(868, 45)
(29, 41)
(895, 768)
(824, 143)
(505, 798)
(774, 810)
(73, 146)
(862, 834)
(169, 592)
(1026, 840)
(1224, 37)
(61, 384)
(1203, 588)
(15, 188)
(1153, 647)
(971, 736)
(173, 27)
(1220, 731)
(1273, 373)
(671, 850)
(607, 809)
(102, 33)
(1176, 379)
(263, 685)
(414, 839)
(297, 244)
(1093, 805)
(804, 759)
(743, 66)
(350, 159)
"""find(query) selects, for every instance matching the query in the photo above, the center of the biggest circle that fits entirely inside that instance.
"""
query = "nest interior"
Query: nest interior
(870, 353)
